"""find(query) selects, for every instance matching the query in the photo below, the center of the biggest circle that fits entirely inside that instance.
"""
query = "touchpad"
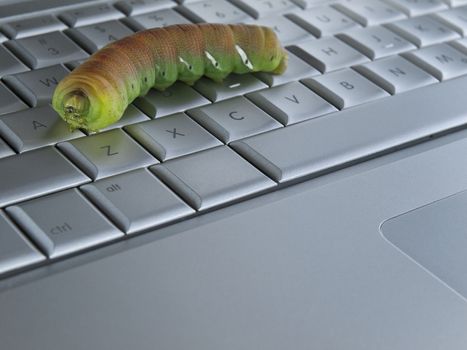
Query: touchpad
(436, 237)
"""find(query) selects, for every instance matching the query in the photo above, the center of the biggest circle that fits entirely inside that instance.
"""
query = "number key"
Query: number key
(46, 49)
(218, 11)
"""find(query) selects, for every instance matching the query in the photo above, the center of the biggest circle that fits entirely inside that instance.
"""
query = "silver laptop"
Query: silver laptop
(321, 209)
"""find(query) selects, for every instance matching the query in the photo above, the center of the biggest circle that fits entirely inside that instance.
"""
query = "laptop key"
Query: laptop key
(423, 31)
(172, 136)
(36, 87)
(15, 250)
(322, 21)
(9, 64)
(46, 49)
(90, 14)
(296, 69)
(95, 36)
(369, 13)
(23, 178)
(328, 54)
(175, 98)
(233, 119)
(136, 200)
(258, 9)
(155, 19)
(233, 85)
(455, 18)
(106, 154)
(215, 11)
(9, 102)
(212, 177)
(35, 127)
(291, 103)
(137, 7)
(5, 150)
(345, 88)
(376, 42)
(32, 26)
(420, 7)
(63, 223)
(287, 31)
(395, 74)
(442, 61)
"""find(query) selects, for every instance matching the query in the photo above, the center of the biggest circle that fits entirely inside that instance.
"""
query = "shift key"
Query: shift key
(36, 173)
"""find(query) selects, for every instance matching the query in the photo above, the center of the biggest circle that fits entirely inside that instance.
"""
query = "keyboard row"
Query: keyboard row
(58, 208)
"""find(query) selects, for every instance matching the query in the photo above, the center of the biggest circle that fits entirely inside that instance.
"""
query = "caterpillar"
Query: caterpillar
(96, 93)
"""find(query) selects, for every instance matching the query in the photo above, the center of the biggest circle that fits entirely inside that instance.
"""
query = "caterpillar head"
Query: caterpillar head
(87, 102)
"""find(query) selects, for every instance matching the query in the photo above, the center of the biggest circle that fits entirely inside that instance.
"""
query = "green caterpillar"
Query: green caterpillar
(97, 93)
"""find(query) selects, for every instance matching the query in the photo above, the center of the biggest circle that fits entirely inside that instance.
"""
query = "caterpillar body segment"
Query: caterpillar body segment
(97, 92)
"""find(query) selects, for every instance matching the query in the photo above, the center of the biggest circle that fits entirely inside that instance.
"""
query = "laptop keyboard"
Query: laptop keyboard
(365, 77)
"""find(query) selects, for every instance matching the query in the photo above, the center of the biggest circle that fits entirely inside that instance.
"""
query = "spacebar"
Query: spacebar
(342, 138)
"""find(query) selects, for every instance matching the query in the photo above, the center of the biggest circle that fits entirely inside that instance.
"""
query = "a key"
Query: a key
(9, 102)
(5, 150)
(136, 200)
(369, 13)
(32, 26)
(132, 115)
(215, 11)
(15, 250)
(106, 154)
(137, 7)
(286, 30)
(9, 64)
(162, 18)
(442, 61)
(36, 87)
(212, 177)
(328, 54)
(418, 7)
(35, 127)
(232, 85)
(455, 19)
(296, 69)
(233, 119)
(172, 136)
(90, 14)
(423, 31)
(46, 49)
(95, 36)
(63, 223)
(23, 179)
(176, 98)
(264, 8)
(376, 42)
(395, 74)
(291, 103)
(319, 145)
(322, 21)
(345, 88)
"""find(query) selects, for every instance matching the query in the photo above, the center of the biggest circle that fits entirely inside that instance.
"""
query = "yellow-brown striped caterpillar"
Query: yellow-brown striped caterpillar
(97, 93)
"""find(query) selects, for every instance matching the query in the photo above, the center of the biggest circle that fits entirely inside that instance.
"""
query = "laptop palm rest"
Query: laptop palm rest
(435, 236)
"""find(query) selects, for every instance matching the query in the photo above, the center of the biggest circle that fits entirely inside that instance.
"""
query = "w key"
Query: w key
(36, 87)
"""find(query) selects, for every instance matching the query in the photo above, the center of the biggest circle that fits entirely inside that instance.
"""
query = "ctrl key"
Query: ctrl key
(15, 251)
(63, 223)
